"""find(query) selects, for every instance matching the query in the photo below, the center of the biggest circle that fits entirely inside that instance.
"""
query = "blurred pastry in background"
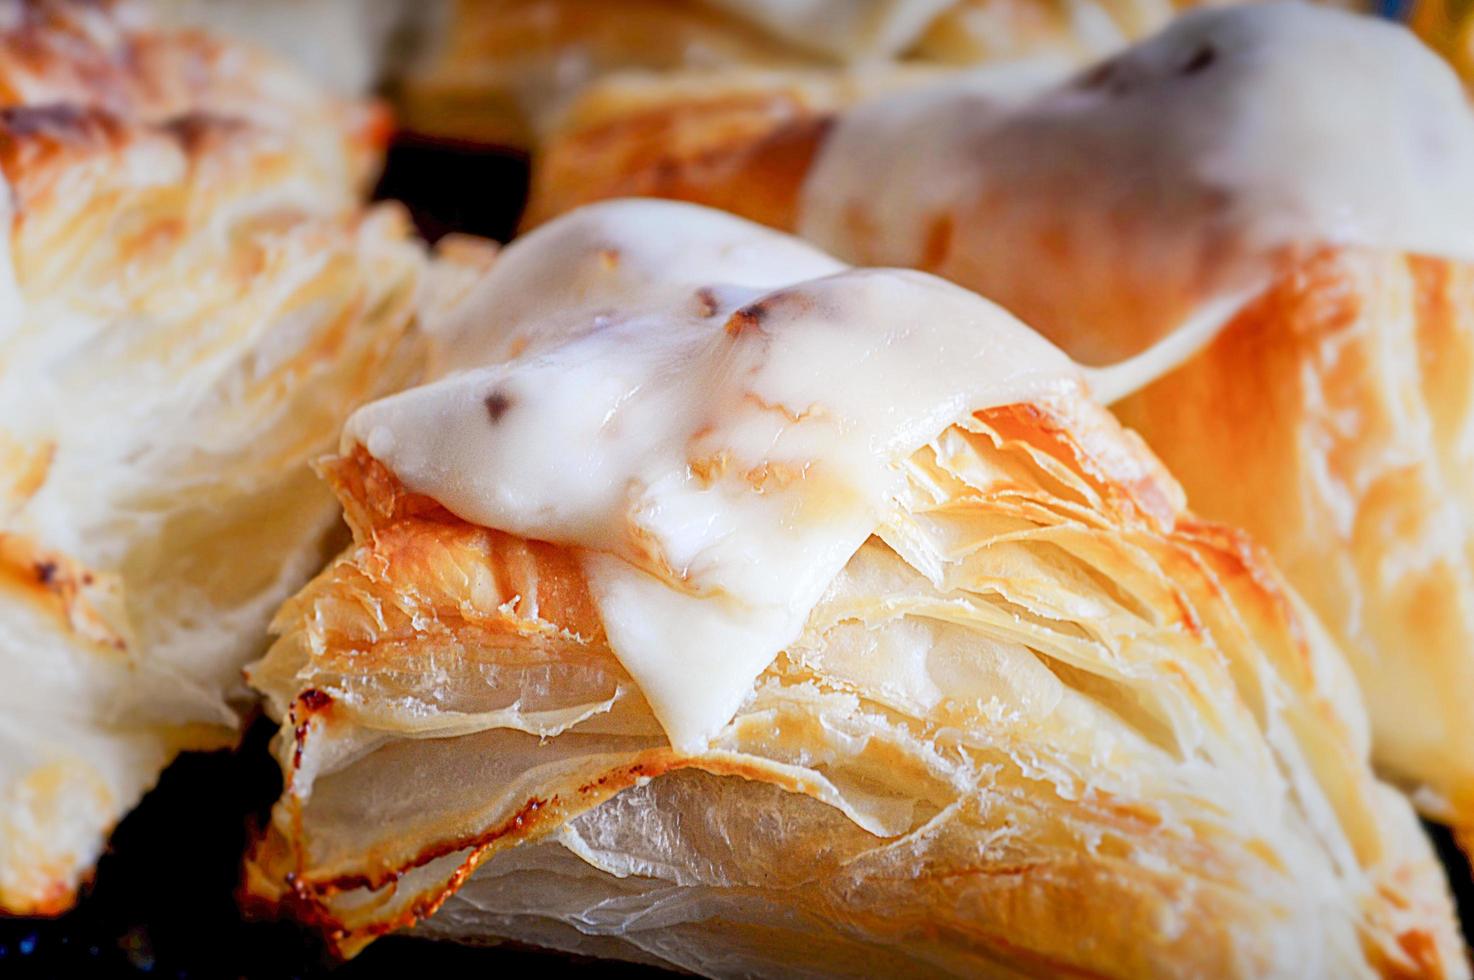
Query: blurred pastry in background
(1262, 217)
(1447, 25)
(729, 609)
(349, 47)
(194, 297)
(504, 71)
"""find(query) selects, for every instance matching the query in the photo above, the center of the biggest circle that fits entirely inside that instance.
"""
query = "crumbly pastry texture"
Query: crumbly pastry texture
(193, 299)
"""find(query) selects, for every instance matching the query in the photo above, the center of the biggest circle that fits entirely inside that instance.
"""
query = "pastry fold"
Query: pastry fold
(193, 300)
(1044, 721)
(1326, 417)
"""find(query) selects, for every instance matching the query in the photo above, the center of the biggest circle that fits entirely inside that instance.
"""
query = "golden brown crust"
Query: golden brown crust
(747, 155)
(738, 141)
(1327, 420)
(507, 71)
(421, 587)
(75, 56)
(500, 74)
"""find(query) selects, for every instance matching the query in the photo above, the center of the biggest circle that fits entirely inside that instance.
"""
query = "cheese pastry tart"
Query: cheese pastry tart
(726, 608)
(1260, 221)
(191, 301)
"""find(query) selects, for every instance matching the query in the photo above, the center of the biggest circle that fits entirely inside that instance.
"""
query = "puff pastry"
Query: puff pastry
(823, 625)
(1326, 417)
(193, 299)
(505, 71)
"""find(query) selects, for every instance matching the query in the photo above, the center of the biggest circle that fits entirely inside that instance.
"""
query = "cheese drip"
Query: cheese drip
(711, 411)
(1185, 169)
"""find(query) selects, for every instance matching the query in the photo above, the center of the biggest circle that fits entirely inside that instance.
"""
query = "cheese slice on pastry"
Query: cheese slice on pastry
(726, 608)
(1314, 162)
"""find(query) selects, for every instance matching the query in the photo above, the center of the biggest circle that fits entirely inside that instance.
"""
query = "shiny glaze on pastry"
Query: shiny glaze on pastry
(696, 413)
(1186, 167)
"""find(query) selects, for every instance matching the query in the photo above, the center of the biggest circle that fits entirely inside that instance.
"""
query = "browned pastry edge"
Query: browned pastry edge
(747, 153)
(1134, 489)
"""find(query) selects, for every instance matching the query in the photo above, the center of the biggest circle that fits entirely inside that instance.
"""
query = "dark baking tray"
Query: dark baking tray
(164, 900)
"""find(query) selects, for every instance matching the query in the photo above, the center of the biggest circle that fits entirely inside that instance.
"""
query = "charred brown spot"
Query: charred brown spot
(1201, 59)
(192, 130)
(938, 241)
(308, 703)
(497, 404)
(753, 315)
(314, 700)
(299, 742)
(1101, 76)
(746, 319)
(706, 302)
(45, 572)
(48, 120)
(1105, 77)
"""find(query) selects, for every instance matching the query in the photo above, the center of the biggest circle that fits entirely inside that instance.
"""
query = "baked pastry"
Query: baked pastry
(193, 301)
(1131, 214)
(505, 71)
(734, 610)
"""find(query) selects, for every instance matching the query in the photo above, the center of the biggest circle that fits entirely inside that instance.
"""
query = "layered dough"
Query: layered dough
(1360, 486)
(506, 71)
(193, 300)
(1040, 720)
(1326, 416)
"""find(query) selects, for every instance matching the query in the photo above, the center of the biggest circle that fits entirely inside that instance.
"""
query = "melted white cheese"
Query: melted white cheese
(1191, 160)
(711, 411)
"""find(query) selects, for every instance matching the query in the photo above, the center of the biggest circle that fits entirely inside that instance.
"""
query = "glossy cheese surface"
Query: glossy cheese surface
(1190, 164)
(713, 412)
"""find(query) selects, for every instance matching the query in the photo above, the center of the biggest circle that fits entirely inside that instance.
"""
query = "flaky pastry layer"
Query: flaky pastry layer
(1045, 721)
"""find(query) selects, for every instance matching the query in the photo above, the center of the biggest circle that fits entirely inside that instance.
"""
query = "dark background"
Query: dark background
(164, 900)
